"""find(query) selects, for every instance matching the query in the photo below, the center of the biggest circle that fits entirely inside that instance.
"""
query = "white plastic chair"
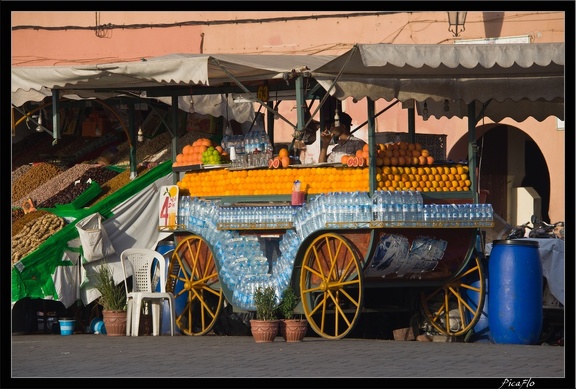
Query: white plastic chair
(141, 263)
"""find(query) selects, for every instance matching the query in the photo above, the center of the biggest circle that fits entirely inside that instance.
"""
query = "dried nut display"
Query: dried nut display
(34, 233)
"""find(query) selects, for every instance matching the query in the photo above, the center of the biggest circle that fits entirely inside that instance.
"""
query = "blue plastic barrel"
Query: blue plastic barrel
(515, 286)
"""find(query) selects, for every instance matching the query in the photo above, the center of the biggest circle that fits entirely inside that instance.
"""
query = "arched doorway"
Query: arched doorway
(507, 158)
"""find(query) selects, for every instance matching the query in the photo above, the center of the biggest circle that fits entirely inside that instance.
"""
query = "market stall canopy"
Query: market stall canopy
(106, 80)
(513, 80)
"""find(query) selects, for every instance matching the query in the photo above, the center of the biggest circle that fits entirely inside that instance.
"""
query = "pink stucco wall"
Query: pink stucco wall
(146, 34)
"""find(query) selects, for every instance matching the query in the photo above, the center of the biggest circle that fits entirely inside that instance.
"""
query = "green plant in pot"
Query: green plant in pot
(113, 301)
(265, 327)
(292, 329)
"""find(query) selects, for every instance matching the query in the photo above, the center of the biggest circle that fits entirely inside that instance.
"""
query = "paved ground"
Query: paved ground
(354, 362)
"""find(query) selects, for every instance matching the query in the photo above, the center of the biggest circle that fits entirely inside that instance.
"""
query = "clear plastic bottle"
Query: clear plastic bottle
(443, 212)
(465, 213)
(399, 205)
(427, 213)
(386, 199)
(365, 207)
(184, 210)
(419, 216)
(412, 203)
(376, 202)
(392, 213)
(488, 213)
(354, 207)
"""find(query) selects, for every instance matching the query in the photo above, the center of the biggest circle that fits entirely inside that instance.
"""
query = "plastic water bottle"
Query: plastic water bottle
(184, 210)
(376, 205)
(488, 212)
(427, 213)
(386, 200)
(412, 206)
(404, 210)
(443, 212)
(419, 206)
(365, 207)
(392, 207)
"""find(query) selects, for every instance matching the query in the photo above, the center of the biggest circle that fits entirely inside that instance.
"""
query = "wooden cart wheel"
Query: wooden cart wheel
(331, 286)
(455, 308)
(193, 278)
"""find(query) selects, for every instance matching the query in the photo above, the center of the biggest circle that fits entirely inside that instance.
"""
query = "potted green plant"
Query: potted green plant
(113, 301)
(292, 329)
(265, 327)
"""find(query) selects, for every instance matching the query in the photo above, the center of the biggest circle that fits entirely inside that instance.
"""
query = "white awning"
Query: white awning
(108, 80)
(517, 80)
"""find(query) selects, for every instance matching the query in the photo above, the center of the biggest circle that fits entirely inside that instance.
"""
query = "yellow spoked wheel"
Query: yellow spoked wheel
(455, 308)
(331, 286)
(193, 279)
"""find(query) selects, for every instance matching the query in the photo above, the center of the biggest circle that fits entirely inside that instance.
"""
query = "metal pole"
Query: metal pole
(55, 116)
(472, 150)
(133, 141)
(174, 133)
(371, 143)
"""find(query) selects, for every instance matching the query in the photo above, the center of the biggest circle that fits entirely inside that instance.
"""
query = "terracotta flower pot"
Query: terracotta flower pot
(293, 330)
(264, 331)
(115, 322)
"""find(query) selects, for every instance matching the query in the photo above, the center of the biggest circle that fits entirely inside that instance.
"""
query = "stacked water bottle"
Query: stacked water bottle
(199, 216)
(282, 268)
(460, 214)
(236, 141)
(254, 149)
(244, 268)
(256, 139)
(397, 207)
(242, 264)
(263, 216)
(336, 209)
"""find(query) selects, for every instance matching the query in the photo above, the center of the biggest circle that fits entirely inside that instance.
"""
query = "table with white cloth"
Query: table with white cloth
(552, 258)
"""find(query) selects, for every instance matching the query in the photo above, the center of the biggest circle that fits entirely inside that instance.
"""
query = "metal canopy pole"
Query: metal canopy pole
(301, 104)
(174, 133)
(55, 116)
(412, 124)
(371, 143)
(133, 141)
(270, 121)
(472, 150)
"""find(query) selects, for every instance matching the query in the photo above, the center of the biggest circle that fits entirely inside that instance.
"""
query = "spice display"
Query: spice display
(114, 184)
(19, 172)
(37, 175)
(45, 191)
(66, 195)
(48, 184)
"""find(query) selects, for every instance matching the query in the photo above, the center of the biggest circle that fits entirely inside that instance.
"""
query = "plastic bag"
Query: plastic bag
(95, 241)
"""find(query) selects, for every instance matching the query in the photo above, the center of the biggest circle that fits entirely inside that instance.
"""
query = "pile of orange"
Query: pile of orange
(445, 178)
(315, 180)
(402, 154)
(281, 160)
(192, 153)
(399, 166)
(391, 154)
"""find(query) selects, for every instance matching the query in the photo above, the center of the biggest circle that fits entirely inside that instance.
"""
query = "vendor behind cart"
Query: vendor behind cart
(346, 143)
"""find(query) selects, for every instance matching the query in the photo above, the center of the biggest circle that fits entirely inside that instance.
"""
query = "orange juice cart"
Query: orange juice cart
(376, 233)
